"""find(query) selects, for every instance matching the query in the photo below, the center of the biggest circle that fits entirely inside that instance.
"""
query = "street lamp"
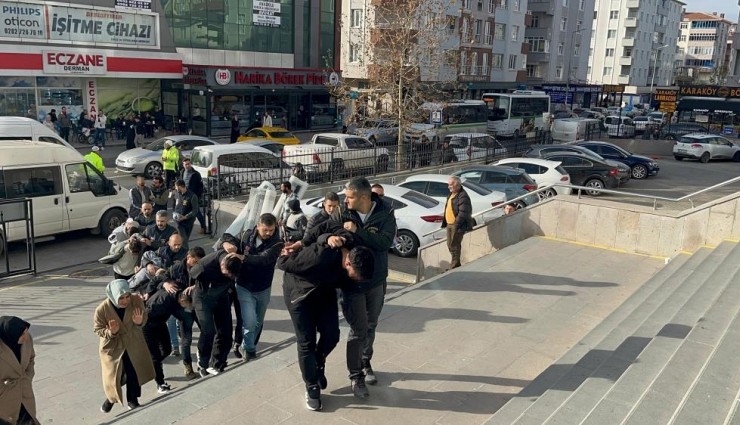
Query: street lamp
(652, 80)
(567, 81)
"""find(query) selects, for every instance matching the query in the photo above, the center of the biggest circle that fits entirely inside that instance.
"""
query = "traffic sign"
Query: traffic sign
(436, 116)
(728, 129)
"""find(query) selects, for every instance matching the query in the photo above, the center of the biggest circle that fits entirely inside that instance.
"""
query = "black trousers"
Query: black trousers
(214, 318)
(129, 379)
(157, 339)
(361, 310)
(186, 228)
(315, 314)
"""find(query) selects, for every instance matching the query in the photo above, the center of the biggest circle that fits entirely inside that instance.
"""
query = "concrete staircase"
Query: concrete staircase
(668, 355)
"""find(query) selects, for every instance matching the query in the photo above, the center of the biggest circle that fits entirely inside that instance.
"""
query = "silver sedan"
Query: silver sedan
(147, 161)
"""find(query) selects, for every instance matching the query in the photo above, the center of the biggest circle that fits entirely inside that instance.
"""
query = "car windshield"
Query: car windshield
(420, 199)
(158, 145)
(281, 135)
(480, 190)
(621, 150)
(200, 158)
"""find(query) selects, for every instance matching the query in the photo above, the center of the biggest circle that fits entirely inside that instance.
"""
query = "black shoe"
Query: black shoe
(237, 352)
(322, 377)
(359, 388)
(133, 404)
(106, 407)
(251, 355)
(203, 372)
(313, 398)
(370, 377)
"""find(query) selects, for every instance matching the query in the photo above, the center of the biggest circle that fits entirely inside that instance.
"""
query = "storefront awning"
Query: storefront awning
(711, 105)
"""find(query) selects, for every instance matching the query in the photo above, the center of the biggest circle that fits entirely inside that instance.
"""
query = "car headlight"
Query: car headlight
(653, 164)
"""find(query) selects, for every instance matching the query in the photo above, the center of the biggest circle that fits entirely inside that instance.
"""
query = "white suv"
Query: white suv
(705, 147)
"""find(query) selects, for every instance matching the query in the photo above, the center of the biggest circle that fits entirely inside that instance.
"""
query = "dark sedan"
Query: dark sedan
(588, 172)
(624, 172)
(642, 167)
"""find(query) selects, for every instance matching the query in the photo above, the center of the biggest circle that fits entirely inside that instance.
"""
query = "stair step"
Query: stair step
(618, 350)
(715, 390)
(679, 374)
(669, 277)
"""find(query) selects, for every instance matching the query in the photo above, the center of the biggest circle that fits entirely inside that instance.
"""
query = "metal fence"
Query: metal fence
(17, 213)
(237, 173)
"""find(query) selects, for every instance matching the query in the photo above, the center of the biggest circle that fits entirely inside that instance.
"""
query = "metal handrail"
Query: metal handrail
(611, 191)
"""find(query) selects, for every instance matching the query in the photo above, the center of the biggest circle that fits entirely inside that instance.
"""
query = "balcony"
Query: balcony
(628, 41)
(660, 28)
(625, 60)
(630, 22)
(547, 7)
(470, 38)
(473, 73)
(633, 4)
(623, 79)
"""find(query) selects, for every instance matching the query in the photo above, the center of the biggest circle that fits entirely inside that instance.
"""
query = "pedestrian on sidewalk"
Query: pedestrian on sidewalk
(309, 289)
(65, 124)
(100, 122)
(129, 127)
(458, 218)
(140, 129)
(124, 356)
(17, 357)
(234, 128)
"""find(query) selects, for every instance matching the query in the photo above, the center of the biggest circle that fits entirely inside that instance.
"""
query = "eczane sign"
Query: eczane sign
(63, 62)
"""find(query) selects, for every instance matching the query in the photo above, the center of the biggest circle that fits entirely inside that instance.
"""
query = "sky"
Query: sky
(728, 7)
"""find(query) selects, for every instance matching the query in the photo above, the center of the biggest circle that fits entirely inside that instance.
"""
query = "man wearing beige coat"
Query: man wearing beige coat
(124, 356)
(17, 403)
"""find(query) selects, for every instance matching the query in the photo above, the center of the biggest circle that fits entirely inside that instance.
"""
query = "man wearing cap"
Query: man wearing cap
(94, 159)
(123, 232)
(170, 161)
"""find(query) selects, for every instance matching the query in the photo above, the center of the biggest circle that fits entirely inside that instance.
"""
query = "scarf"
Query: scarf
(11, 329)
(115, 289)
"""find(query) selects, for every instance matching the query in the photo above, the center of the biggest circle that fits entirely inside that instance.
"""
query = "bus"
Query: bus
(463, 116)
(520, 112)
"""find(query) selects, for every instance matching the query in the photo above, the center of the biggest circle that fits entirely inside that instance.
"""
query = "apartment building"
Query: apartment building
(702, 48)
(481, 42)
(634, 43)
(558, 36)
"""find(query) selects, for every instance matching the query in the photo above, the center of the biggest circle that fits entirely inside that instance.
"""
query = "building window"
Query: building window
(609, 53)
(681, 38)
(561, 48)
(563, 24)
(611, 34)
(535, 21)
(537, 44)
(487, 32)
(559, 73)
(515, 33)
(579, 25)
(354, 53)
(515, 5)
(497, 61)
(484, 65)
(581, 4)
(684, 25)
(614, 14)
(491, 6)
(607, 70)
(565, 3)
(576, 49)
(532, 71)
(356, 19)
(512, 61)
(588, 70)
(463, 62)
(499, 31)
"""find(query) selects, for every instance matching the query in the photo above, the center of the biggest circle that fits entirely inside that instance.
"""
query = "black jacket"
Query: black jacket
(315, 266)
(463, 211)
(194, 183)
(316, 220)
(159, 237)
(207, 278)
(161, 305)
(188, 206)
(168, 257)
(258, 267)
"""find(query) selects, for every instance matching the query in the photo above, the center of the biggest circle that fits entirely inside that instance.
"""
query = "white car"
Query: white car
(378, 131)
(148, 160)
(542, 171)
(482, 199)
(417, 216)
(619, 126)
(472, 146)
(705, 147)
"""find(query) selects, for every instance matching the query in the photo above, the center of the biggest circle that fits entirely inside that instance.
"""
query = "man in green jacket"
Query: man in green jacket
(170, 161)
(94, 159)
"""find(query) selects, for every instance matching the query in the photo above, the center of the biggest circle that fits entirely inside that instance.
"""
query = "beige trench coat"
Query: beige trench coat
(15, 382)
(130, 339)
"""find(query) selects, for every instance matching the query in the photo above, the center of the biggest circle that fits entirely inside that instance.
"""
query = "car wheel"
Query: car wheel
(704, 158)
(519, 205)
(639, 172)
(678, 158)
(407, 244)
(736, 157)
(110, 220)
(153, 169)
(670, 137)
(549, 193)
(595, 185)
(383, 163)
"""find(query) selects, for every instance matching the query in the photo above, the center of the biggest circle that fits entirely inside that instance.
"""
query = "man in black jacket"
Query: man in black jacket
(194, 183)
(330, 204)
(309, 288)
(211, 278)
(258, 249)
(156, 235)
(458, 218)
(186, 209)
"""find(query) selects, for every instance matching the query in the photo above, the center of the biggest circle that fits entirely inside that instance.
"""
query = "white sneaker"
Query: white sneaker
(164, 388)
(213, 371)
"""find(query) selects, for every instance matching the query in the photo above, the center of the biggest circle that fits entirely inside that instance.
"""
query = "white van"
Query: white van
(233, 168)
(67, 192)
(21, 128)
(574, 129)
(620, 126)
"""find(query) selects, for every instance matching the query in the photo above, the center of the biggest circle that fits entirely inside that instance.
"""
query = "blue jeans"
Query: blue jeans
(100, 137)
(172, 329)
(254, 307)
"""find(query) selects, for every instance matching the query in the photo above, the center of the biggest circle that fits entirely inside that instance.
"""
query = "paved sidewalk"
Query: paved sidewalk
(451, 350)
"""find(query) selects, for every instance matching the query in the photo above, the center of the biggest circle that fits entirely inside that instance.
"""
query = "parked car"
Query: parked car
(588, 172)
(574, 129)
(378, 131)
(147, 161)
(642, 167)
(275, 134)
(417, 215)
(705, 147)
(656, 117)
(677, 130)
(511, 181)
(641, 124)
(619, 126)
(482, 199)
(624, 172)
(337, 153)
(274, 147)
(543, 172)
(472, 146)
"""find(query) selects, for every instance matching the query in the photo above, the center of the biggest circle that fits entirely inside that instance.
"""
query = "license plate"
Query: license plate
(682, 151)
